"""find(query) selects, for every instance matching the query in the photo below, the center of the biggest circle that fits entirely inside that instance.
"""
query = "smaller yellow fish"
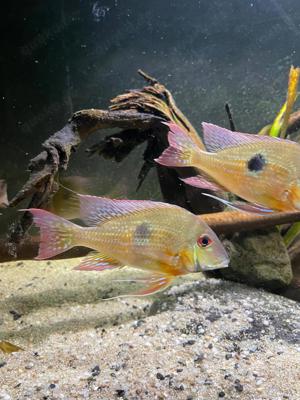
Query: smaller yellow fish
(163, 239)
(263, 170)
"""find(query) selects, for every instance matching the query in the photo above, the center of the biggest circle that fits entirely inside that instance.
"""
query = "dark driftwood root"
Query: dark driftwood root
(138, 113)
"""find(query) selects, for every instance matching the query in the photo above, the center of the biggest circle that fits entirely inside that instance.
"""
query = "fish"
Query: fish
(263, 170)
(161, 239)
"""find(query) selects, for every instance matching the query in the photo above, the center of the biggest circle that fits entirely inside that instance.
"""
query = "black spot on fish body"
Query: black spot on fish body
(142, 234)
(256, 163)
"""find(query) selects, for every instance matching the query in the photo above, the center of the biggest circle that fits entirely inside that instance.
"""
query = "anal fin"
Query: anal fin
(154, 285)
(200, 182)
(96, 261)
(251, 208)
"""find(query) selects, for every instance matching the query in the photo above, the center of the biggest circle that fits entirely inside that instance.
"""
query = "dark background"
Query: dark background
(60, 56)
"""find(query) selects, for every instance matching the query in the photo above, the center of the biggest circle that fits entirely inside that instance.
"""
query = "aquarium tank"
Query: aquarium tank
(150, 200)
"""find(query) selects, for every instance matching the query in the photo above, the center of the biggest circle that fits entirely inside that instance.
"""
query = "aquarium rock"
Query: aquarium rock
(260, 259)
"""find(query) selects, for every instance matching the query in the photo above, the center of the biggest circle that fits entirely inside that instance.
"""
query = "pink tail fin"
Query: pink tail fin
(56, 234)
(181, 151)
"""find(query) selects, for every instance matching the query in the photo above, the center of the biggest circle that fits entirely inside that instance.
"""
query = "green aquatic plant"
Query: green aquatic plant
(280, 124)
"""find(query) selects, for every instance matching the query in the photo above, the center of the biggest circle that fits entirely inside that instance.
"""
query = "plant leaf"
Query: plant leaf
(8, 347)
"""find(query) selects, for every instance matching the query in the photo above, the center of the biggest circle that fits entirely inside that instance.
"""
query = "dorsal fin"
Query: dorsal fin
(217, 138)
(95, 210)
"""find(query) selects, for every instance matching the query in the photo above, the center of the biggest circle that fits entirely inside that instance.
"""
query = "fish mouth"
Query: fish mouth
(223, 264)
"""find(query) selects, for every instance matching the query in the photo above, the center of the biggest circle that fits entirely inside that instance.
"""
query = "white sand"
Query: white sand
(205, 340)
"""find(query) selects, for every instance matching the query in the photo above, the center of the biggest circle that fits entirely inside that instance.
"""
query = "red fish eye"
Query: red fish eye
(204, 241)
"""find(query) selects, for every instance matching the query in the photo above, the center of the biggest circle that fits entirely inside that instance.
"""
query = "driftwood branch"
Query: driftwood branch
(294, 122)
(138, 114)
(56, 154)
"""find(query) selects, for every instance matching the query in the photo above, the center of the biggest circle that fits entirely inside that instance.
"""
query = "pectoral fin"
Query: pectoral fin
(242, 206)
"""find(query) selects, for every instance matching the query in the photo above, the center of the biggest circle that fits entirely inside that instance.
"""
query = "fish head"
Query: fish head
(209, 253)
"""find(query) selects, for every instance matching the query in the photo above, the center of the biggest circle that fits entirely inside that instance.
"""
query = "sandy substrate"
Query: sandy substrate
(199, 340)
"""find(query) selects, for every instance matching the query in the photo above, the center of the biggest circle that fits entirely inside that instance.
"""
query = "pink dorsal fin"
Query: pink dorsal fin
(177, 137)
(200, 182)
(181, 150)
(95, 210)
(192, 136)
(217, 138)
(97, 262)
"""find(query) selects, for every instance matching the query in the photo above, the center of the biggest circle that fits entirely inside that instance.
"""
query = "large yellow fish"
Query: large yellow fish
(163, 239)
(263, 170)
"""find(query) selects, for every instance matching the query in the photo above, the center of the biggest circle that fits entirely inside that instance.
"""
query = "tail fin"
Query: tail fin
(182, 151)
(56, 234)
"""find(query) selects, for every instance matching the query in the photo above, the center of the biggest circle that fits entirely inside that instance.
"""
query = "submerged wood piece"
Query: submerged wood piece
(58, 148)
(56, 154)
(138, 114)
(294, 122)
(156, 99)
(237, 221)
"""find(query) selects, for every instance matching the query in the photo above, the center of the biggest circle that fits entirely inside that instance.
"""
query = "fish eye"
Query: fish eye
(204, 241)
